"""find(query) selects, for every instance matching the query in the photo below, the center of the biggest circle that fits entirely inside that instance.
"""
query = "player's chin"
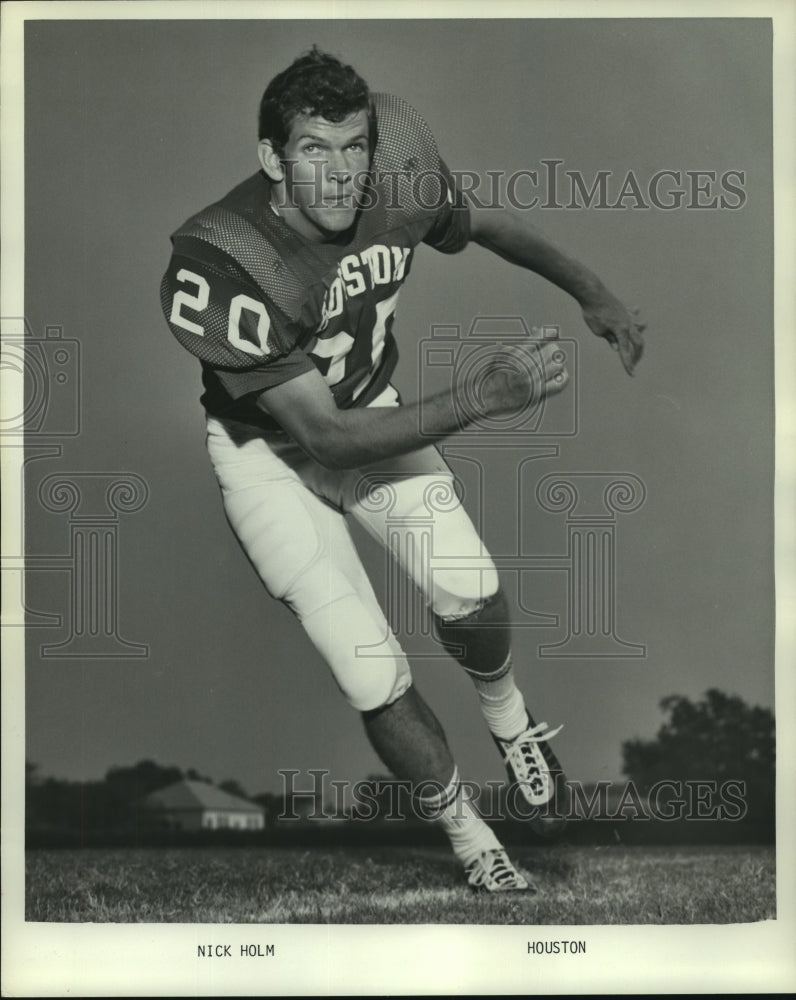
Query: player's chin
(335, 219)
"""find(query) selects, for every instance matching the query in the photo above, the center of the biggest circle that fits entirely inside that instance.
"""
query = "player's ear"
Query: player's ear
(270, 161)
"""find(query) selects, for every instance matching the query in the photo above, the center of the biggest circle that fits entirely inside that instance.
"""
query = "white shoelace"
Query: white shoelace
(499, 871)
(524, 756)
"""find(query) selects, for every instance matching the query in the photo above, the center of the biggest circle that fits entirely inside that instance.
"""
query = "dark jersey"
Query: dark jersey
(259, 304)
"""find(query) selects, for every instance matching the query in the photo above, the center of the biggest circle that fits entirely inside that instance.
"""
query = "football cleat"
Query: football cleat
(534, 769)
(493, 872)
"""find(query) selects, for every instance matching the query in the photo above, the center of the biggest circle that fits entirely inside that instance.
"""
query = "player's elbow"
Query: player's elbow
(335, 461)
(329, 459)
(340, 457)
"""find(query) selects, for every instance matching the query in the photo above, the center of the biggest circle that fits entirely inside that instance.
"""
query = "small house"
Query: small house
(197, 805)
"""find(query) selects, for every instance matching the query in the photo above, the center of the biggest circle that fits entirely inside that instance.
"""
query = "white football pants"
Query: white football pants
(288, 514)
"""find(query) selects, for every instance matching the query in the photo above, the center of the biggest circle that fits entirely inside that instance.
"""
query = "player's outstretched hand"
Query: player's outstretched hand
(607, 317)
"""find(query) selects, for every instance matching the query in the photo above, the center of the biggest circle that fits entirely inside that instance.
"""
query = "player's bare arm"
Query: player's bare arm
(286, 290)
(344, 439)
(515, 240)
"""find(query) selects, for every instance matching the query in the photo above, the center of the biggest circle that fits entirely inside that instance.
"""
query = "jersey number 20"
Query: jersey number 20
(197, 299)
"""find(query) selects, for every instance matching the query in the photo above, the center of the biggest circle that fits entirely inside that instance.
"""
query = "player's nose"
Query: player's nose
(337, 169)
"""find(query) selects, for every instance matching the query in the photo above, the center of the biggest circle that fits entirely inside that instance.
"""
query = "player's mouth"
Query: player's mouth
(339, 200)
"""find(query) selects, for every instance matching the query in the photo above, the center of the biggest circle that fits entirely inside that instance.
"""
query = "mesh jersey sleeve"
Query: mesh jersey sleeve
(229, 326)
(450, 231)
(421, 184)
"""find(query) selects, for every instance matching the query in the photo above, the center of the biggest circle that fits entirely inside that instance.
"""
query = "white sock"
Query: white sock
(468, 833)
(502, 703)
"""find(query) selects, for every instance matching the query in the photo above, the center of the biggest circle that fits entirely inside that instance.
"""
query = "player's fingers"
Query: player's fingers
(530, 354)
(628, 354)
(638, 325)
(557, 382)
(548, 351)
(552, 361)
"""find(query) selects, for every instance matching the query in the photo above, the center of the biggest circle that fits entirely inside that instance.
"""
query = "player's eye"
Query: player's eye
(358, 147)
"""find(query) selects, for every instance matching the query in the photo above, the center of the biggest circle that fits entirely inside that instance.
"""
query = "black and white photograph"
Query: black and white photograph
(397, 439)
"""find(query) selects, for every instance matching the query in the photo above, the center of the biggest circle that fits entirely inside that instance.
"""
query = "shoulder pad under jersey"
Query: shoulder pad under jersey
(406, 161)
(234, 232)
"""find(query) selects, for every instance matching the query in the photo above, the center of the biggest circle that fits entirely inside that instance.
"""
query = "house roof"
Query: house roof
(198, 795)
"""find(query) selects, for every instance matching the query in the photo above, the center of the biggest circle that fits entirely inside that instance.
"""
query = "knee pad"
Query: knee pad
(385, 684)
(366, 661)
(459, 592)
(480, 640)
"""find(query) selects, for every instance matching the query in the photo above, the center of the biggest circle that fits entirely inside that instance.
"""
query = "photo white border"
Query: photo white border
(160, 959)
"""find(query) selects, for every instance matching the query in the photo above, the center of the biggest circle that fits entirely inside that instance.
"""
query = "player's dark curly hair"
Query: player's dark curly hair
(314, 84)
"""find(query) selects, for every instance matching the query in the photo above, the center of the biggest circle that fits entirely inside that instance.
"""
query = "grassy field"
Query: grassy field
(576, 885)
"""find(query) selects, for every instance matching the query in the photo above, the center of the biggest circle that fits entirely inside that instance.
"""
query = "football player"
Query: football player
(286, 290)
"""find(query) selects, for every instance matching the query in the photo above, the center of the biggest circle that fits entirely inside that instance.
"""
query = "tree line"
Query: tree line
(717, 739)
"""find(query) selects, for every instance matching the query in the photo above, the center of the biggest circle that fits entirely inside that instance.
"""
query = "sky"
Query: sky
(133, 126)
